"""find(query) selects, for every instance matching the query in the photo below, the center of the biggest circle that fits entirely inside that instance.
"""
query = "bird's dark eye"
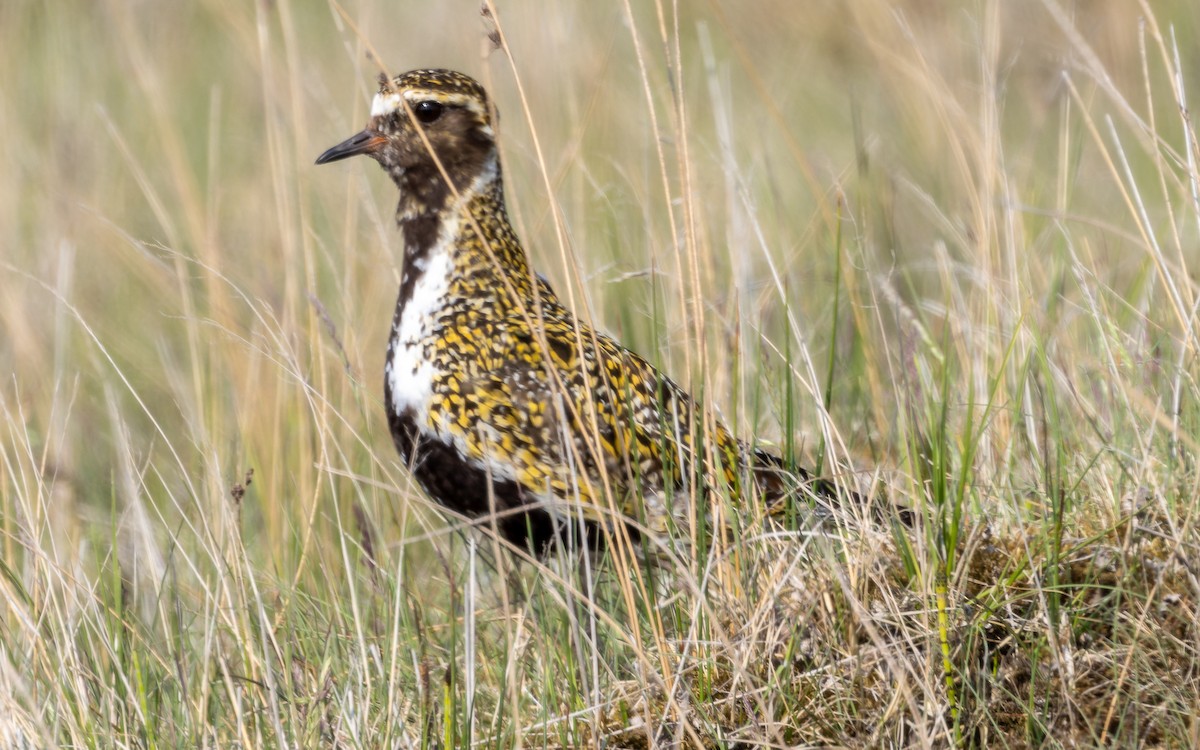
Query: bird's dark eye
(428, 111)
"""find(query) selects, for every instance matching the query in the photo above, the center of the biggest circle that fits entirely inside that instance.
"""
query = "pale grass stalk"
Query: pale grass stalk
(624, 556)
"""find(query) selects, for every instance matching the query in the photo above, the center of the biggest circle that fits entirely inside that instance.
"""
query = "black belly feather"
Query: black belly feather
(465, 487)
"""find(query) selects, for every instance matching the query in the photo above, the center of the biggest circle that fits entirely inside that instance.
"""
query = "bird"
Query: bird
(505, 405)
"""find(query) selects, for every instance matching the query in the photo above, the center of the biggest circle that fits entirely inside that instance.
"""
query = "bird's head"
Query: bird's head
(421, 115)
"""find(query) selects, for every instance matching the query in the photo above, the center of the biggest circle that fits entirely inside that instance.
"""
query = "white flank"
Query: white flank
(409, 373)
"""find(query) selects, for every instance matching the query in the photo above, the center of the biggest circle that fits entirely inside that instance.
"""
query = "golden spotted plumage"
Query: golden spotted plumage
(500, 399)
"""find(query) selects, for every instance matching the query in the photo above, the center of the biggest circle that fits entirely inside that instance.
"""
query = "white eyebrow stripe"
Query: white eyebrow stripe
(386, 104)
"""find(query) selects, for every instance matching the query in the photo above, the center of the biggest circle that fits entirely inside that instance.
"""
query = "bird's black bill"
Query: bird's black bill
(362, 143)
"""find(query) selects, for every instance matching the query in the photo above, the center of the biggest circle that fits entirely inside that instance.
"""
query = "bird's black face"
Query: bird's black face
(421, 114)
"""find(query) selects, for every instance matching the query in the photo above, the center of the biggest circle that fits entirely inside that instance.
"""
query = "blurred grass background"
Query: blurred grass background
(984, 214)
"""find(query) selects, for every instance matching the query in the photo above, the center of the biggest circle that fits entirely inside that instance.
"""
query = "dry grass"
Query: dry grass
(948, 253)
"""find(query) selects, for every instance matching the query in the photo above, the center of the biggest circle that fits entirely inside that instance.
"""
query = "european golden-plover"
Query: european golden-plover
(505, 405)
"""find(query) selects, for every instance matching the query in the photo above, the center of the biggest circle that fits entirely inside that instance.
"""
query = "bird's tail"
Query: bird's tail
(776, 482)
